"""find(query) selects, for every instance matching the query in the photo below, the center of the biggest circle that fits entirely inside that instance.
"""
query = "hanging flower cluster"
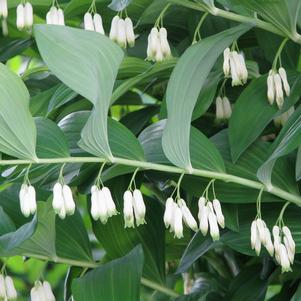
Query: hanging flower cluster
(277, 82)
(235, 65)
(24, 16)
(42, 292)
(7, 289)
(284, 117)
(122, 32)
(27, 197)
(223, 108)
(158, 48)
(55, 16)
(93, 22)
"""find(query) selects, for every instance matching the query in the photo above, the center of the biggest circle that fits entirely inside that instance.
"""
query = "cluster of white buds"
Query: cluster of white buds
(284, 246)
(102, 204)
(55, 16)
(158, 47)
(93, 23)
(27, 197)
(7, 289)
(63, 203)
(24, 16)
(260, 235)
(235, 65)
(174, 215)
(42, 292)
(122, 32)
(223, 108)
(284, 117)
(277, 82)
(210, 216)
(133, 208)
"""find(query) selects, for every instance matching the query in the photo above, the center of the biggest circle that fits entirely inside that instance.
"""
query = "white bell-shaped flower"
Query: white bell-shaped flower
(88, 22)
(286, 85)
(111, 207)
(94, 203)
(233, 67)
(27, 198)
(188, 218)
(253, 234)
(287, 233)
(178, 223)
(68, 200)
(261, 230)
(290, 254)
(139, 207)
(2, 288)
(278, 90)
(129, 30)
(3, 9)
(11, 293)
(268, 242)
(121, 34)
(20, 16)
(128, 209)
(114, 29)
(102, 206)
(165, 48)
(203, 216)
(28, 15)
(226, 64)
(218, 212)
(37, 293)
(153, 41)
(219, 112)
(58, 198)
(271, 88)
(98, 26)
(61, 17)
(284, 260)
(169, 212)
(214, 230)
(48, 291)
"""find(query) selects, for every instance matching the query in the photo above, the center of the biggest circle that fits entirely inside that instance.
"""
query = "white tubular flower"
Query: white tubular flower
(3, 9)
(268, 242)
(226, 65)
(284, 260)
(227, 109)
(58, 199)
(234, 72)
(2, 288)
(129, 30)
(139, 207)
(97, 20)
(68, 200)
(271, 88)
(24, 204)
(121, 34)
(88, 22)
(286, 85)
(102, 206)
(153, 41)
(278, 90)
(290, 254)
(178, 223)
(53, 16)
(94, 203)
(261, 230)
(218, 211)
(243, 71)
(62, 213)
(165, 48)
(48, 291)
(253, 234)
(188, 218)
(128, 210)
(111, 207)
(203, 216)
(28, 16)
(277, 239)
(11, 292)
(287, 233)
(37, 293)
(61, 17)
(219, 108)
(168, 214)
(32, 199)
(20, 17)
(159, 55)
(214, 231)
(258, 245)
(114, 29)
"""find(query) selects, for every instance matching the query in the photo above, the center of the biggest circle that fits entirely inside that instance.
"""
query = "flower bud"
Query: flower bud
(102, 206)
(214, 231)
(159, 55)
(261, 230)
(271, 89)
(3, 9)
(257, 245)
(178, 224)
(219, 108)
(28, 15)
(98, 24)
(227, 108)
(2, 288)
(290, 254)
(268, 242)
(234, 69)
(286, 85)
(242, 68)
(94, 203)
(111, 207)
(203, 219)
(88, 22)
(153, 41)
(139, 207)
(11, 292)
(48, 291)
(219, 214)
(61, 17)
(168, 212)
(165, 48)
(20, 17)
(24, 203)
(129, 30)
(187, 216)
(278, 90)
(121, 34)
(114, 29)
(68, 200)
(128, 211)
(253, 234)
(58, 199)
(226, 65)
(287, 233)
(284, 260)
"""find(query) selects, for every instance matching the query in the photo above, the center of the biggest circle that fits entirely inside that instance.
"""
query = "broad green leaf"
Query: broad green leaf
(288, 140)
(12, 47)
(88, 67)
(184, 88)
(132, 66)
(18, 132)
(252, 113)
(51, 142)
(119, 5)
(298, 164)
(117, 280)
(297, 295)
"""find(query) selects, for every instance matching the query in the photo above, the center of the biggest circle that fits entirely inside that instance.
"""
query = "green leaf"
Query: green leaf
(51, 142)
(12, 47)
(252, 113)
(119, 5)
(18, 132)
(88, 67)
(298, 164)
(288, 140)
(297, 295)
(117, 280)
(184, 88)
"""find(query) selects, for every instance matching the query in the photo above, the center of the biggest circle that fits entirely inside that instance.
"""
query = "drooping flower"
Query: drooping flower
(42, 292)
(55, 16)
(178, 223)
(129, 30)
(7, 288)
(188, 218)
(93, 22)
(3, 9)
(20, 16)
(128, 210)
(139, 207)
(24, 16)
(213, 225)
(168, 213)
(63, 203)
(218, 212)
(114, 29)
(98, 26)
(223, 108)
(27, 197)
(121, 34)
(203, 216)
(88, 22)
(48, 291)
